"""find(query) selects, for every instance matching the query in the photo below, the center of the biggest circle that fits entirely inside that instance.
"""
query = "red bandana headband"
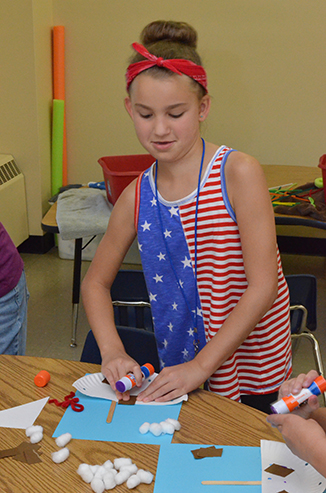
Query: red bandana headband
(178, 65)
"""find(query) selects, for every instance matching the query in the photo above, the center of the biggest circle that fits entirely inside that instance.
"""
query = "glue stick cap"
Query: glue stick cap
(42, 378)
(321, 382)
(147, 370)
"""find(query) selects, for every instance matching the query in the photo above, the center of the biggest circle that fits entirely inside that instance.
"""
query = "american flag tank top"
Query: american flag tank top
(263, 361)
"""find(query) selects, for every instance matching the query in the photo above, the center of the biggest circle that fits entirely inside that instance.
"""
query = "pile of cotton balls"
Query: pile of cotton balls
(169, 426)
(108, 475)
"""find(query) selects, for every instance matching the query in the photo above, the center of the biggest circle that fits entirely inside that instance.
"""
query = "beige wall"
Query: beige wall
(266, 71)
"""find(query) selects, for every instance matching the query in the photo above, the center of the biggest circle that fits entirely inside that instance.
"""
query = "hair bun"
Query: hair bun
(177, 32)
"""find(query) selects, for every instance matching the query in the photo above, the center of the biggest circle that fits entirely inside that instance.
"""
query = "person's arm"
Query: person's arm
(96, 289)
(304, 429)
(305, 437)
(251, 202)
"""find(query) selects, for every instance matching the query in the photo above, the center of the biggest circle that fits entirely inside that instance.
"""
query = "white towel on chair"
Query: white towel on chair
(82, 212)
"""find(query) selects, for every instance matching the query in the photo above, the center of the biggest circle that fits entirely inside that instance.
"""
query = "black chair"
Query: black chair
(303, 313)
(130, 300)
(139, 344)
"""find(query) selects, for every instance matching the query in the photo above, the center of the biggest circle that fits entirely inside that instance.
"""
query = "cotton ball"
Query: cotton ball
(87, 476)
(156, 429)
(133, 481)
(108, 464)
(145, 476)
(132, 469)
(109, 480)
(63, 440)
(82, 468)
(85, 472)
(100, 472)
(97, 485)
(144, 428)
(33, 429)
(175, 423)
(94, 468)
(60, 456)
(122, 476)
(122, 461)
(36, 437)
(167, 427)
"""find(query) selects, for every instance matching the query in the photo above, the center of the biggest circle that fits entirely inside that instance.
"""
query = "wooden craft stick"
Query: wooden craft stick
(111, 412)
(231, 482)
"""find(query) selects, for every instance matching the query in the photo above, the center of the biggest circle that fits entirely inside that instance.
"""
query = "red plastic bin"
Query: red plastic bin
(119, 171)
(322, 165)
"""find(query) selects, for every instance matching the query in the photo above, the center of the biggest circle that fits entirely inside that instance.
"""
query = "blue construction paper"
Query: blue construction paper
(91, 424)
(178, 470)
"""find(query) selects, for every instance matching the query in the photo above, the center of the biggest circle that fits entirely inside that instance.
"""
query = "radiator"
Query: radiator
(13, 210)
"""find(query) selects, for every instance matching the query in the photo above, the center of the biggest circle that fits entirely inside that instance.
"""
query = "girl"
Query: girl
(219, 298)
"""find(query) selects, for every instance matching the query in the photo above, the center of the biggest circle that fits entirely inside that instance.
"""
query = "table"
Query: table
(275, 174)
(205, 419)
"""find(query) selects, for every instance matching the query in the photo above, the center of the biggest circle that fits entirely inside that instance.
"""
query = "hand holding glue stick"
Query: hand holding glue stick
(291, 402)
(128, 381)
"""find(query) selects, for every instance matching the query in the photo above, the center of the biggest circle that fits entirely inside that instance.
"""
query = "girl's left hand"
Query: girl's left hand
(173, 382)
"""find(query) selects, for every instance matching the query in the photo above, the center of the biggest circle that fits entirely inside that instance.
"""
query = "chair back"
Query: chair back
(131, 301)
(139, 344)
(303, 292)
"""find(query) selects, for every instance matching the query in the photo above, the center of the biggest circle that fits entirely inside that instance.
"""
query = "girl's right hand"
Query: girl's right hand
(294, 386)
(114, 369)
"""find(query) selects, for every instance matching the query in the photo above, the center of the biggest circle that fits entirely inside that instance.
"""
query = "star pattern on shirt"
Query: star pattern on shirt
(146, 226)
(185, 353)
(186, 262)
(171, 290)
(173, 211)
(152, 297)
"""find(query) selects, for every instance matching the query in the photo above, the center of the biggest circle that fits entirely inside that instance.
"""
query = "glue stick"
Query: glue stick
(129, 381)
(291, 402)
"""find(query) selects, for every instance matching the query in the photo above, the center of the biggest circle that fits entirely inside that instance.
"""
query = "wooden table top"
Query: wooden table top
(205, 419)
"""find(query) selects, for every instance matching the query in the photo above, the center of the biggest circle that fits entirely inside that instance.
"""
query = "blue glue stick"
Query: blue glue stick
(291, 402)
(129, 381)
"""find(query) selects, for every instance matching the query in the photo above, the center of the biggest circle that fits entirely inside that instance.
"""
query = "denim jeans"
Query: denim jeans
(13, 319)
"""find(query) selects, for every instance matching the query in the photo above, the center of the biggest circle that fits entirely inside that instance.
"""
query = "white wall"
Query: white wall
(266, 70)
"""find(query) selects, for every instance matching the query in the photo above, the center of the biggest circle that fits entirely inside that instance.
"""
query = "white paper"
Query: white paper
(22, 416)
(304, 479)
(93, 386)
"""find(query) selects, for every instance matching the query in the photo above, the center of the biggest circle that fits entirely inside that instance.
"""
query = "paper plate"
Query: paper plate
(304, 479)
(93, 386)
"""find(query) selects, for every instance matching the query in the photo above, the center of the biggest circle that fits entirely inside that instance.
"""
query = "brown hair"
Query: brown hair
(170, 40)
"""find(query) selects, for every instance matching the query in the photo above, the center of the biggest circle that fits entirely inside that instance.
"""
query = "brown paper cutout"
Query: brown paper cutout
(203, 452)
(279, 470)
(26, 452)
(131, 401)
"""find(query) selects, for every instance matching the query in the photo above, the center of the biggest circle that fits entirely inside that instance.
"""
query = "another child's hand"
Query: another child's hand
(114, 369)
(301, 436)
(294, 386)
(173, 382)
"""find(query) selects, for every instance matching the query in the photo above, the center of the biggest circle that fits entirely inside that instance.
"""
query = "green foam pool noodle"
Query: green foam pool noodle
(57, 144)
